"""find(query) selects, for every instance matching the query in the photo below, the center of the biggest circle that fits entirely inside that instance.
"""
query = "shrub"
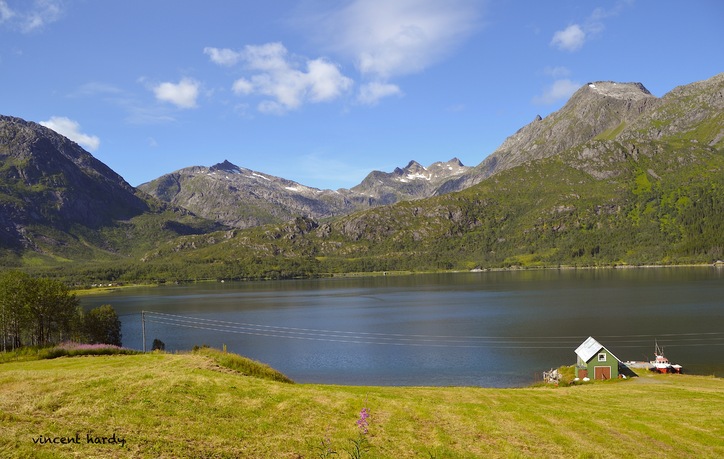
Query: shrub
(158, 345)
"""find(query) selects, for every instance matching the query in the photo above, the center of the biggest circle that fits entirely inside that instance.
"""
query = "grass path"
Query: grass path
(175, 406)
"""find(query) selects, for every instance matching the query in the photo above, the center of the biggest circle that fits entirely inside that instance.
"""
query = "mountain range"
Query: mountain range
(616, 176)
(243, 198)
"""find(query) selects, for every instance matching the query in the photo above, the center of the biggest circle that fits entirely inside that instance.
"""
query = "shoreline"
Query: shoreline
(111, 288)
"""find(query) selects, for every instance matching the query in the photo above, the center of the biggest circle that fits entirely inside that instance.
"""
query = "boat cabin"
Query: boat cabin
(596, 362)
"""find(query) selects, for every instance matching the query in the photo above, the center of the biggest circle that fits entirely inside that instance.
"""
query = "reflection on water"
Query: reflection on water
(496, 329)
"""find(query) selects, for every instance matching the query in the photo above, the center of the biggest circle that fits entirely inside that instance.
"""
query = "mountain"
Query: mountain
(616, 177)
(243, 198)
(598, 110)
(57, 199)
(414, 181)
(592, 110)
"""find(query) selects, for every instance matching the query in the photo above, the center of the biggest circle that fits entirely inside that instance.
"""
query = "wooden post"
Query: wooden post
(143, 329)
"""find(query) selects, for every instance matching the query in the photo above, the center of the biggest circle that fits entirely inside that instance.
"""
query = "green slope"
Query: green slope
(172, 406)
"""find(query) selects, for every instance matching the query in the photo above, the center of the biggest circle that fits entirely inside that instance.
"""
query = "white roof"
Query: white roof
(589, 348)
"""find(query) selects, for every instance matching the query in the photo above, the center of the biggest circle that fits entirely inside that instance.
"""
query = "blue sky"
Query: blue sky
(323, 92)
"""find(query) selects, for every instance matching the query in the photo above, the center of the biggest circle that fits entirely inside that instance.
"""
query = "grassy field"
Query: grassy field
(189, 405)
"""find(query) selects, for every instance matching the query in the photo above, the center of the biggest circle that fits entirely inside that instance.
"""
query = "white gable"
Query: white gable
(589, 348)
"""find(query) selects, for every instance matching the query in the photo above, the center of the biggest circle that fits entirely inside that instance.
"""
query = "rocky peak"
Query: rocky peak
(413, 167)
(225, 166)
(594, 110)
(452, 167)
(627, 91)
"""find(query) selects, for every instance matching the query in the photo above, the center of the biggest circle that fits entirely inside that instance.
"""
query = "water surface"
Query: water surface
(492, 329)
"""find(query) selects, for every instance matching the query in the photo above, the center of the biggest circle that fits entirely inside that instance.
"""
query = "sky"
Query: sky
(323, 92)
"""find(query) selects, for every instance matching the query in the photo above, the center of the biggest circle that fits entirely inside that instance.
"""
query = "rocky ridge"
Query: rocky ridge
(55, 196)
(56, 199)
(243, 198)
(600, 111)
(48, 179)
(594, 109)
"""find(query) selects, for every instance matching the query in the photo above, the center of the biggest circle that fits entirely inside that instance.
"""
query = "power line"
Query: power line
(418, 340)
(276, 327)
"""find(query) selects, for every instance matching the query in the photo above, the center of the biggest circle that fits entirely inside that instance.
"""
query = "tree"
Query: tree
(102, 326)
(14, 299)
(51, 310)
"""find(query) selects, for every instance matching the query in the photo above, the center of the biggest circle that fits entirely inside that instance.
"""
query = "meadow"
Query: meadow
(209, 405)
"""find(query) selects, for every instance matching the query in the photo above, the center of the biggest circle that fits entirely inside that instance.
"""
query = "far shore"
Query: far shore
(112, 287)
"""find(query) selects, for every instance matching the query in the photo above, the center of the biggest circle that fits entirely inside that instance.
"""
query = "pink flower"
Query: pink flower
(362, 422)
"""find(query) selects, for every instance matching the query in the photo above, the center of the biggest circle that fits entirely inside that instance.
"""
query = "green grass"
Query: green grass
(172, 406)
(243, 365)
(612, 133)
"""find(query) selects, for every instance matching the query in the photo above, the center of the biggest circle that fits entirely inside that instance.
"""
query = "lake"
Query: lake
(490, 329)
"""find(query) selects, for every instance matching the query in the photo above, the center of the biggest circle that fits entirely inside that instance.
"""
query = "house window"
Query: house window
(602, 357)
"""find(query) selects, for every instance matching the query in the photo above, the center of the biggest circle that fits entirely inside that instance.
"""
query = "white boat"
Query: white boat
(661, 364)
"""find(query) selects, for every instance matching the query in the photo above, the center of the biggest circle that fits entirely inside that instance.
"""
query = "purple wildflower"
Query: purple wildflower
(71, 346)
(362, 422)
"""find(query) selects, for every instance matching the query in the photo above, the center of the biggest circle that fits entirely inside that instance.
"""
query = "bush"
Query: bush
(158, 345)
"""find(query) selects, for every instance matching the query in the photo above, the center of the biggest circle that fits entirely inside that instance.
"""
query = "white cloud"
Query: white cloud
(392, 38)
(371, 93)
(287, 82)
(71, 129)
(559, 90)
(33, 16)
(385, 39)
(243, 86)
(6, 13)
(226, 57)
(571, 38)
(182, 94)
(137, 111)
(44, 12)
(268, 57)
(325, 81)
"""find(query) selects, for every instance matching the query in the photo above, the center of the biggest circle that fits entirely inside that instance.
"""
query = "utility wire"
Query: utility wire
(417, 340)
